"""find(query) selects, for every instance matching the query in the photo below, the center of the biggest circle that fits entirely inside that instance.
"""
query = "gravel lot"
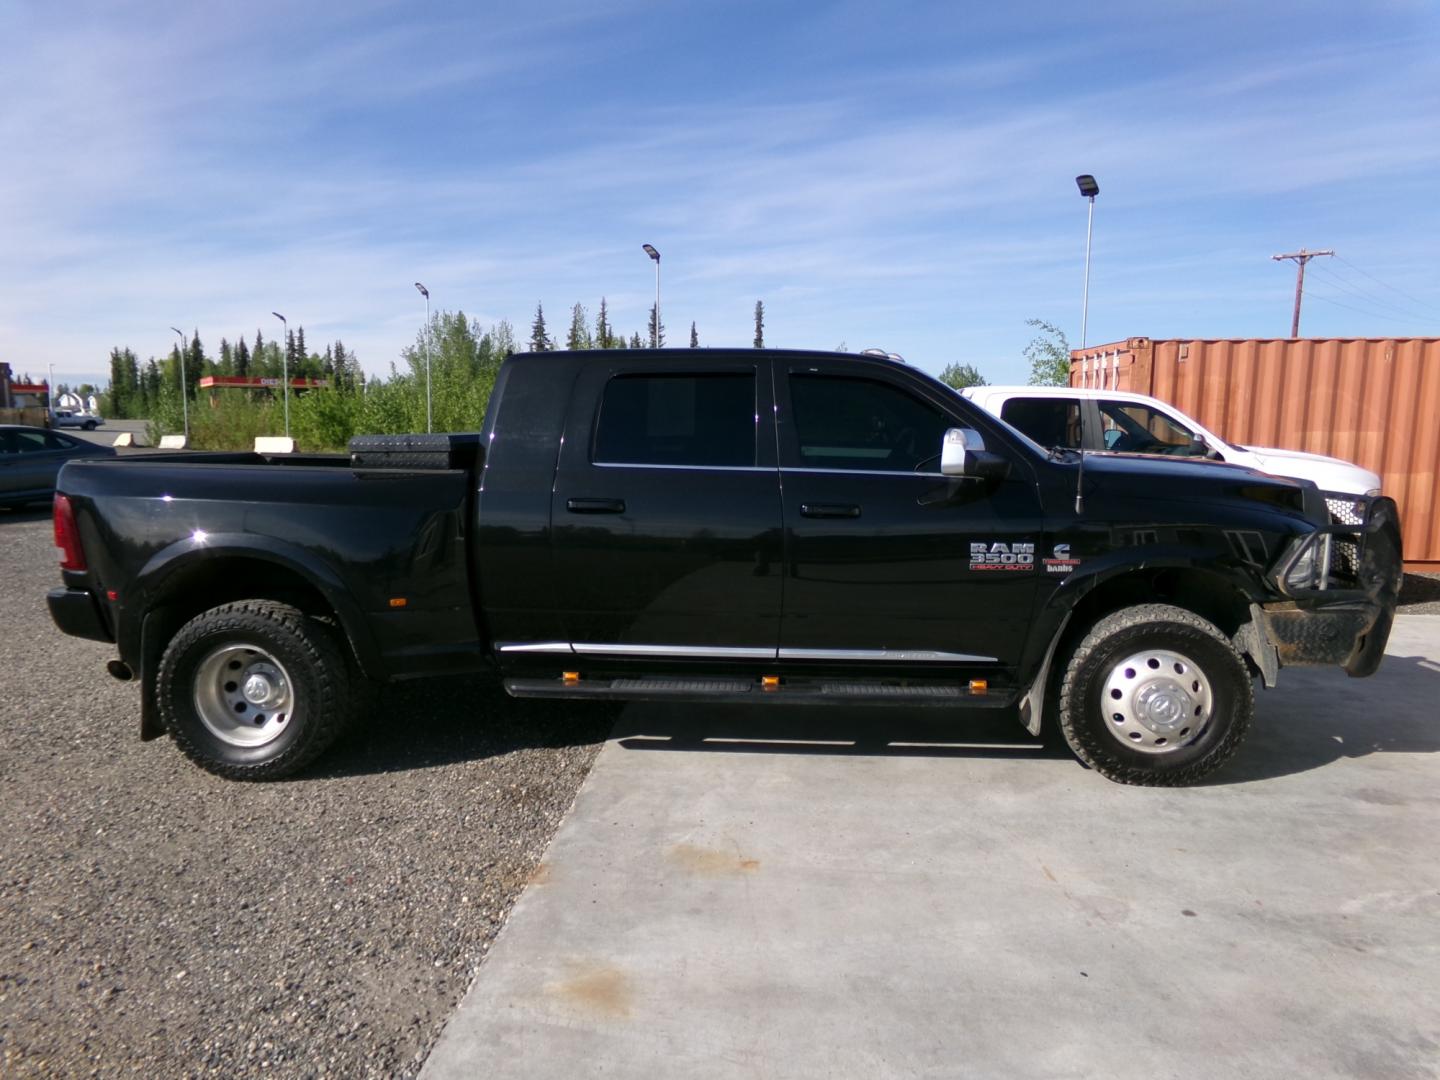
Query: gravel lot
(158, 921)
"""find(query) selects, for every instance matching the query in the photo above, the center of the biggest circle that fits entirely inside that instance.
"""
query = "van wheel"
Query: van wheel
(253, 690)
(1155, 695)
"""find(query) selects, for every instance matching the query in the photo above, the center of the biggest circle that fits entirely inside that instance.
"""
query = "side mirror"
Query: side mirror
(963, 453)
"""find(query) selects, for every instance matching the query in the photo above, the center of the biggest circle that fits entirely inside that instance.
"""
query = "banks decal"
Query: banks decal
(1061, 562)
(1002, 557)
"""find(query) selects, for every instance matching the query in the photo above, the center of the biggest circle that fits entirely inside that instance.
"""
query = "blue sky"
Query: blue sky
(879, 175)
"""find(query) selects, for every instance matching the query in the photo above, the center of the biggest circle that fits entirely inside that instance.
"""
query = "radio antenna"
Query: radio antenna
(1080, 484)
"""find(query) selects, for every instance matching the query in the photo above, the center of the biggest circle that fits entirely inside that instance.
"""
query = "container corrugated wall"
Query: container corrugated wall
(1373, 401)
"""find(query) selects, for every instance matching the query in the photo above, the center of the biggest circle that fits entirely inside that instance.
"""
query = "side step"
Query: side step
(754, 691)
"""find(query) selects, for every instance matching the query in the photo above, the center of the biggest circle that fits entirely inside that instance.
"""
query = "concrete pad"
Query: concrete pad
(274, 444)
(762, 893)
(173, 442)
(125, 438)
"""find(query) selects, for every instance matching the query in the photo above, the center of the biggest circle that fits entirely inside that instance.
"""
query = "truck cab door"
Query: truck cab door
(886, 559)
(665, 514)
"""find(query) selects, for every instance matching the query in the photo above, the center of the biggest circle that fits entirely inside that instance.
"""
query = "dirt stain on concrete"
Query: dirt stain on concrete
(597, 989)
(540, 875)
(708, 862)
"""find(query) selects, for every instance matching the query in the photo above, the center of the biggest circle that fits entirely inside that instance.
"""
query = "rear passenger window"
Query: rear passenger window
(1049, 421)
(701, 419)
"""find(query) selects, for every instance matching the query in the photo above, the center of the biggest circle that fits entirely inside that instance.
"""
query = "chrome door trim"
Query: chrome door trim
(683, 468)
(865, 472)
(709, 652)
(923, 656)
(747, 652)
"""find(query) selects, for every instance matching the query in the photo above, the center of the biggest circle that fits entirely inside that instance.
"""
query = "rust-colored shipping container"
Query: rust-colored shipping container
(1373, 401)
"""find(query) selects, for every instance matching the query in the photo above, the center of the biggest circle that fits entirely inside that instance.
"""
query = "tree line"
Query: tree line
(463, 358)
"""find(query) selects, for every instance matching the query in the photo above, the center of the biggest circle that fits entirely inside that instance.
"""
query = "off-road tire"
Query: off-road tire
(317, 668)
(1084, 717)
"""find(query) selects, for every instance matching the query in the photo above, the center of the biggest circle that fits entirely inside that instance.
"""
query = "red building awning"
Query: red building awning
(216, 382)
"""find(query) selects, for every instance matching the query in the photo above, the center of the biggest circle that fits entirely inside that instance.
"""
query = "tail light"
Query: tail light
(67, 536)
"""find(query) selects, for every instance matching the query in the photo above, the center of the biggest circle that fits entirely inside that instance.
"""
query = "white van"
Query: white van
(1122, 423)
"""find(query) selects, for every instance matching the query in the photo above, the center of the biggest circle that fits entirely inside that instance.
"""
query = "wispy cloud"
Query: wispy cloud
(207, 166)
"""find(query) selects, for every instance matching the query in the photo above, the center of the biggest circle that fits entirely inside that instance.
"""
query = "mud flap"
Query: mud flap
(1251, 640)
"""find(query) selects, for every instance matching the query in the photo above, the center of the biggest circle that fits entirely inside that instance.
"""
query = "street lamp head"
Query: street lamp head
(178, 331)
(1087, 185)
(423, 290)
(281, 317)
(649, 250)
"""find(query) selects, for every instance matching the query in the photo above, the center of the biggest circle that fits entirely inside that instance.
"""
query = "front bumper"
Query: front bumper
(1345, 618)
(77, 613)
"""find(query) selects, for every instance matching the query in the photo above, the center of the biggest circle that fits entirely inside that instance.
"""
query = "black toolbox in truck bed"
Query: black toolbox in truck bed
(443, 450)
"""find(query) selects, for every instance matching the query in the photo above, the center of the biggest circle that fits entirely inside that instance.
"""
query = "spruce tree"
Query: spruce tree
(119, 397)
(759, 325)
(242, 359)
(604, 338)
(694, 337)
(539, 339)
(194, 365)
(579, 336)
(301, 364)
(635, 341)
(657, 329)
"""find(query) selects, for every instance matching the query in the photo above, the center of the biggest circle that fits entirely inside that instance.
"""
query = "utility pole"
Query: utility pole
(1301, 257)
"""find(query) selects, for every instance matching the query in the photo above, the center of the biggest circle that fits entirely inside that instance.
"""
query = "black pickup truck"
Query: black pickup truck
(747, 526)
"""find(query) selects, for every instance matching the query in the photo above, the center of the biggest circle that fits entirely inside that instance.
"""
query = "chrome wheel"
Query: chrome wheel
(1157, 701)
(243, 695)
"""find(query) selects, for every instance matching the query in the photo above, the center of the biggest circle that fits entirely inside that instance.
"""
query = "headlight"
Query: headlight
(1312, 569)
(1302, 574)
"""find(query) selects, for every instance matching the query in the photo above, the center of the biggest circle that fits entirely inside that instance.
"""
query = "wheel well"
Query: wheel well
(1208, 595)
(221, 581)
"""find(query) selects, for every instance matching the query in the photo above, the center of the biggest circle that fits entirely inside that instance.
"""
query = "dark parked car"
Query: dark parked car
(30, 459)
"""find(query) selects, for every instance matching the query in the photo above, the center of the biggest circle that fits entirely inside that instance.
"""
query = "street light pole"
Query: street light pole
(1088, 188)
(285, 370)
(655, 332)
(429, 422)
(184, 395)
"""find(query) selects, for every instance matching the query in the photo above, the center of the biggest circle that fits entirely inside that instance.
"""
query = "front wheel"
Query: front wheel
(253, 690)
(1155, 695)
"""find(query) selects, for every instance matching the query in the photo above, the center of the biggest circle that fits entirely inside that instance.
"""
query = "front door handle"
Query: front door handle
(595, 506)
(829, 510)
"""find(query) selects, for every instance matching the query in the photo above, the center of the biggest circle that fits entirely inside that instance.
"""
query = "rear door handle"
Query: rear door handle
(829, 510)
(595, 506)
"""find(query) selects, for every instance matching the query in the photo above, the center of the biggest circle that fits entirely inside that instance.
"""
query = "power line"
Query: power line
(1301, 257)
(1392, 288)
(1345, 286)
(1362, 311)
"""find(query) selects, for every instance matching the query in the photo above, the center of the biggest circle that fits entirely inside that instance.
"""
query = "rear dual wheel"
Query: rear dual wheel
(254, 690)
(1155, 695)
